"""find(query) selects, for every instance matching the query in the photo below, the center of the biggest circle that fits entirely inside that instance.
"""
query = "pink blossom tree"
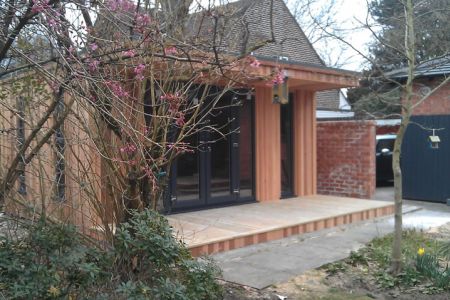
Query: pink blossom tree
(112, 79)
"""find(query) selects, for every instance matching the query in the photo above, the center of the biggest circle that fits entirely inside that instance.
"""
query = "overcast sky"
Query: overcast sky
(349, 16)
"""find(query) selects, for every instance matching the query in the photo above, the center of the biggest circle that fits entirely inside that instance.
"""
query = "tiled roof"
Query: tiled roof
(245, 25)
(434, 67)
(328, 99)
(240, 27)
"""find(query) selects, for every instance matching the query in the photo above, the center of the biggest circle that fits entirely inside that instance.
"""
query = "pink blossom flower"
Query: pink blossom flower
(93, 65)
(142, 20)
(121, 5)
(117, 89)
(129, 53)
(148, 172)
(138, 72)
(255, 63)
(93, 46)
(179, 119)
(170, 50)
(278, 78)
(174, 101)
(128, 149)
(39, 6)
(51, 22)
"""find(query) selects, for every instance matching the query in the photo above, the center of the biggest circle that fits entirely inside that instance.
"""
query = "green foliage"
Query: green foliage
(429, 266)
(335, 268)
(146, 262)
(145, 251)
(375, 100)
(48, 262)
(444, 249)
(357, 258)
(430, 20)
(385, 280)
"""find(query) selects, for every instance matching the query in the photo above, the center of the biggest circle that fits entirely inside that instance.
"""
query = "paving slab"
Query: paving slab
(269, 263)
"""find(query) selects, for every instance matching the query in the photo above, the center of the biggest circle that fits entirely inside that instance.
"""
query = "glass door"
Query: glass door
(187, 188)
(221, 169)
(219, 163)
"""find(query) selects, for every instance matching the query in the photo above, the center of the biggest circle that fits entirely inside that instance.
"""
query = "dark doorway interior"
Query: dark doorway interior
(286, 127)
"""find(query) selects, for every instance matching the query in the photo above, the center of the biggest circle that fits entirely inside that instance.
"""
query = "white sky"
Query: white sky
(350, 15)
(354, 14)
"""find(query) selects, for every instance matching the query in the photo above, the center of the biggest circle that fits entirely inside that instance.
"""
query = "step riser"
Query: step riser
(271, 235)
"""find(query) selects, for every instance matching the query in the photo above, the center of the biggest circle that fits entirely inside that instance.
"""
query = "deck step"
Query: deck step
(275, 234)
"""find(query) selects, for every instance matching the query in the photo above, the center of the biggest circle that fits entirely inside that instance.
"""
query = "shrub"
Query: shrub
(49, 261)
(146, 252)
(147, 262)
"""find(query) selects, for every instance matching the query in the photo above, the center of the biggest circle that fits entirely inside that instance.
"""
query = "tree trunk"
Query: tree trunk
(396, 263)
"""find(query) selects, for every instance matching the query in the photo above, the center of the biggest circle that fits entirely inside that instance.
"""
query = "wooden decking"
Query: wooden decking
(221, 229)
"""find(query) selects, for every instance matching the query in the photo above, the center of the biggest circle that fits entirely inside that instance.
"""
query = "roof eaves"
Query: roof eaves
(284, 62)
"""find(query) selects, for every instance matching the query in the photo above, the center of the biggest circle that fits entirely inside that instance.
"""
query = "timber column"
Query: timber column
(305, 157)
(267, 146)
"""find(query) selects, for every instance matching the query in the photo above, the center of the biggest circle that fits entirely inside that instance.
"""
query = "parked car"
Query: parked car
(384, 149)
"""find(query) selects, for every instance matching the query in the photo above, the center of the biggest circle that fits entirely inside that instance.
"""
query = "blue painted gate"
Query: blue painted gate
(426, 171)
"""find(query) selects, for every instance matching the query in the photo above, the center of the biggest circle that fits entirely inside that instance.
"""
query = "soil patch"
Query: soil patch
(359, 277)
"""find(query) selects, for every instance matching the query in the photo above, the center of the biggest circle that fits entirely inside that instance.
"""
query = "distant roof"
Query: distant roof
(328, 99)
(434, 67)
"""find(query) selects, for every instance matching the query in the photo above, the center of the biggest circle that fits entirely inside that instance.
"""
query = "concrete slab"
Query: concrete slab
(277, 261)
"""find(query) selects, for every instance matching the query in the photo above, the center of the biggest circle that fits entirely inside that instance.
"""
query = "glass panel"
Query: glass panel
(187, 187)
(246, 150)
(220, 152)
(286, 149)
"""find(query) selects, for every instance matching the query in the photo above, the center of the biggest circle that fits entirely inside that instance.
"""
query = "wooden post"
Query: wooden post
(305, 158)
(267, 146)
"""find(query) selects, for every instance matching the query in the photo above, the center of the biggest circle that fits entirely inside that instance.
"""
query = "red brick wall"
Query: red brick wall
(438, 103)
(388, 129)
(346, 158)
